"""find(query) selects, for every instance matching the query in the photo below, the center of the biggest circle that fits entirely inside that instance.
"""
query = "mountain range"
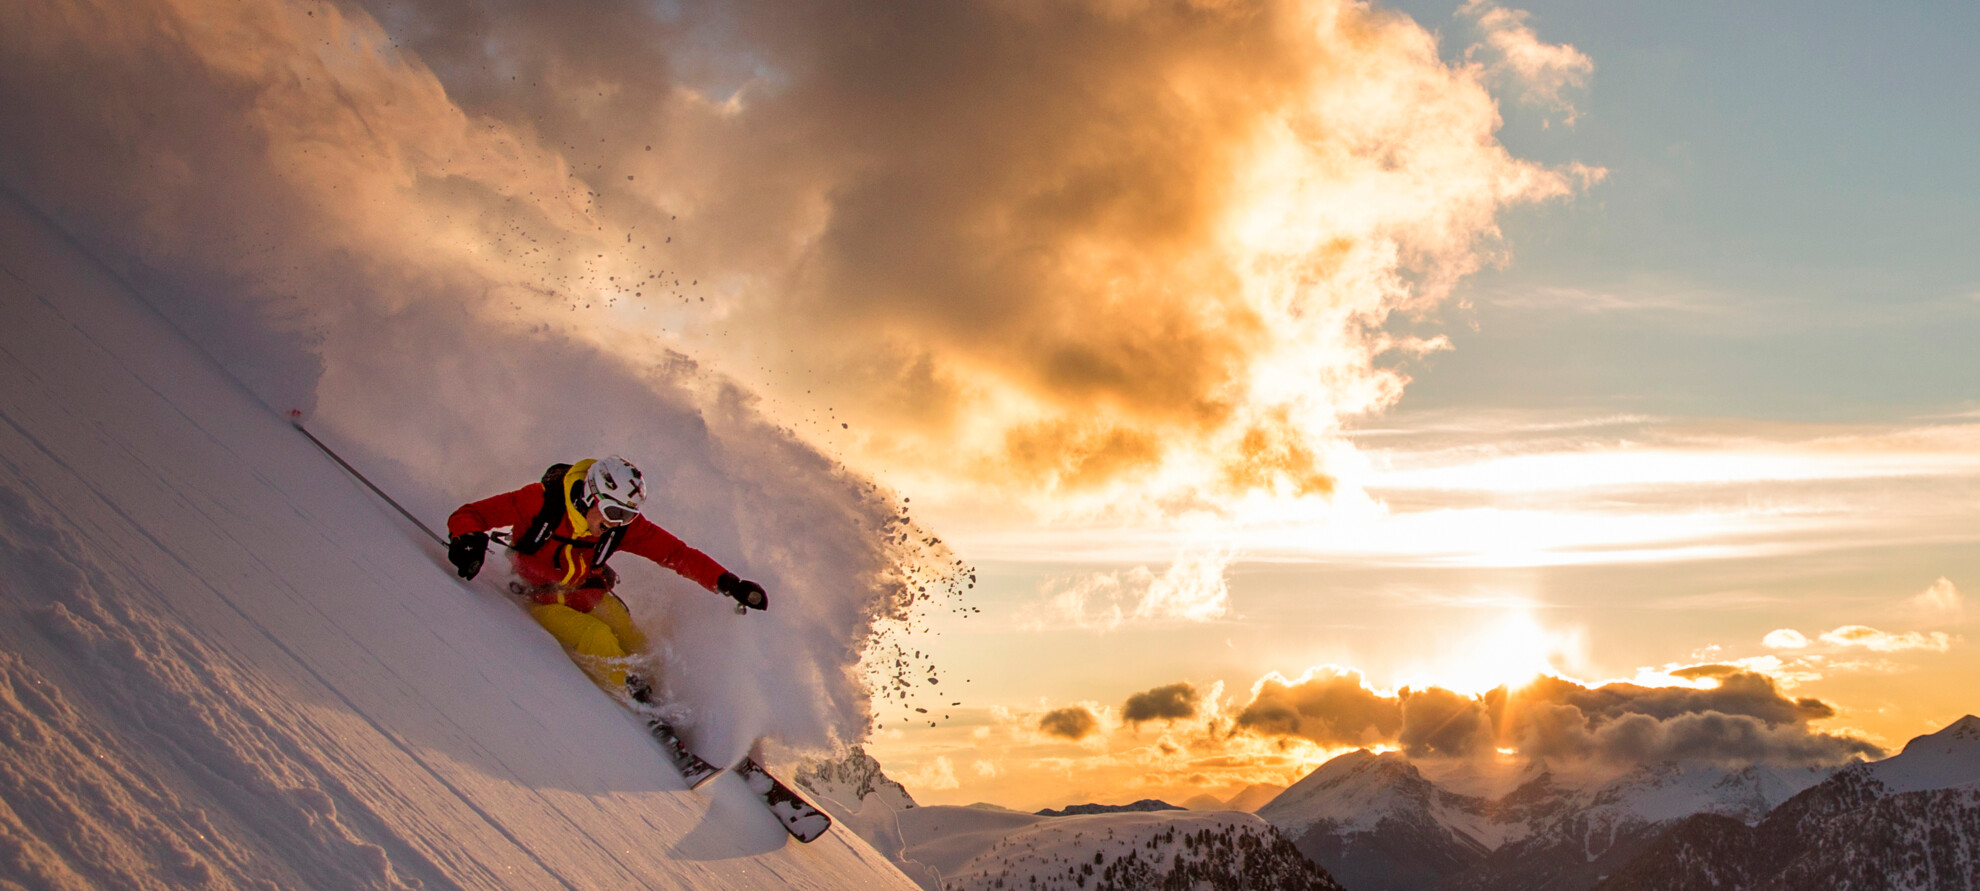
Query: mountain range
(1911, 821)
(1378, 823)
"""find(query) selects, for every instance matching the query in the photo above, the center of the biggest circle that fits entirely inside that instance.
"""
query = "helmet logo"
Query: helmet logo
(617, 488)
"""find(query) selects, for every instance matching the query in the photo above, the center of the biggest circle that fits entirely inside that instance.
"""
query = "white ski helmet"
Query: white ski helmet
(617, 487)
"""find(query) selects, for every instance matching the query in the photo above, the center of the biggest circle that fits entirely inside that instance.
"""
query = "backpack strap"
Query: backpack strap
(555, 497)
(602, 548)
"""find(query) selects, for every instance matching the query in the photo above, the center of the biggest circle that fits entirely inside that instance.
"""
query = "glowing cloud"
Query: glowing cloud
(1785, 639)
(1885, 642)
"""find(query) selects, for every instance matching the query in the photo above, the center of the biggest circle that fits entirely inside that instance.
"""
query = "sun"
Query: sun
(1508, 651)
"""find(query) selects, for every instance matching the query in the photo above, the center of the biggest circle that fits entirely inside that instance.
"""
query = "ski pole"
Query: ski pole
(295, 419)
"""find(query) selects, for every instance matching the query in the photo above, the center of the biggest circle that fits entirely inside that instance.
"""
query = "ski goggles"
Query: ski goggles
(616, 514)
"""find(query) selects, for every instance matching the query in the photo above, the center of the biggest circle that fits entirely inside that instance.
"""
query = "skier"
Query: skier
(564, 528)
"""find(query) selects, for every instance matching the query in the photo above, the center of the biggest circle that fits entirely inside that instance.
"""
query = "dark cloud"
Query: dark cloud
(1745, 719)
(1073, 722)
(1738, 693)
(1173, 702)
(1330, 707)
(1440, 723)
(1562, 731)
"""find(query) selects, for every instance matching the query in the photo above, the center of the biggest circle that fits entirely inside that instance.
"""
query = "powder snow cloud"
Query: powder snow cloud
(436, 290)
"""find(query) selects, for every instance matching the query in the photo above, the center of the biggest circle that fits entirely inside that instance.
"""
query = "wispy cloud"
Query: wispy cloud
(1502, 489)
(1192, 589)
(1543, 75)
(1887, 642)
(937, 775)
(1939, 604)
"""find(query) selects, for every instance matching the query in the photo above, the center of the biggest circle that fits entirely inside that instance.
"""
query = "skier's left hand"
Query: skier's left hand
(745, 592)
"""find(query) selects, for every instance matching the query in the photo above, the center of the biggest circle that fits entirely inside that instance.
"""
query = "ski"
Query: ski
(694, 769)
(798, 817)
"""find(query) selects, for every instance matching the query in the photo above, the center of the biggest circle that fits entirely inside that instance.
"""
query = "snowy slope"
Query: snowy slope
(224, 664)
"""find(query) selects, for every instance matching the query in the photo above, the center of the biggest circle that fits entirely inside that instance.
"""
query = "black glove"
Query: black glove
(747, 593)
(466, 552)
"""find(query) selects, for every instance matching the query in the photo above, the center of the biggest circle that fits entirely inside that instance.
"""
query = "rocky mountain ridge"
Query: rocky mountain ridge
(1145, 805)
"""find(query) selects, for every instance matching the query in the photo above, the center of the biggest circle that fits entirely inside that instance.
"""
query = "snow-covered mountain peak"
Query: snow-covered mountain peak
(1365, 767)
(849, 781)
(1355, 790)
(1950, 757)
(1965, 730)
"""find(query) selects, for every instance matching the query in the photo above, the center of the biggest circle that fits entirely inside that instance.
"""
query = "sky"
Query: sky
(1270, 378)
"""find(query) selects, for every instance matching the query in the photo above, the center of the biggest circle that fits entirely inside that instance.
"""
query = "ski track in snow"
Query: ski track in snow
(222, 664)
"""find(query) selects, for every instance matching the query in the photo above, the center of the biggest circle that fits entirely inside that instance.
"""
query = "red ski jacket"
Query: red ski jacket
(561, 568)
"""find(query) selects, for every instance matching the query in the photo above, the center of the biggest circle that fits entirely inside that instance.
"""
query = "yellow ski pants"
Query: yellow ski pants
(598, 641)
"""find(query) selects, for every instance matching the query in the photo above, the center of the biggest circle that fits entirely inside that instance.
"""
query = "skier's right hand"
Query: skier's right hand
(466, 552)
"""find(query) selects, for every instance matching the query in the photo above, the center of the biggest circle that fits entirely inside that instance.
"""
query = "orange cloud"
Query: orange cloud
(1743, 718)
(1054, 250)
